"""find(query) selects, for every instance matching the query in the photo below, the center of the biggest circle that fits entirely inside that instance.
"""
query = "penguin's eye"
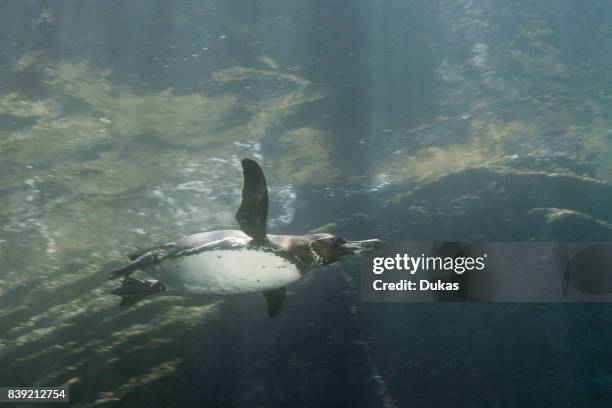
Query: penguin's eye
(338, 241)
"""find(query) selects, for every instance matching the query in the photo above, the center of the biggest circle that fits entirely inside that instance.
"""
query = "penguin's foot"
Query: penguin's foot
(133, 290)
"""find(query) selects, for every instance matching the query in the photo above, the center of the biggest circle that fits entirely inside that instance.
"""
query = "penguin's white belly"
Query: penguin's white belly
(225, 272)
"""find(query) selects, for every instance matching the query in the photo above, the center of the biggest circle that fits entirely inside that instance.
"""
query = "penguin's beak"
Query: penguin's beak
(359, 247)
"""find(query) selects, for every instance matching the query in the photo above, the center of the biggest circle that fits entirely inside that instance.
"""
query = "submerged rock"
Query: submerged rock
(500, 204)
(556, 224)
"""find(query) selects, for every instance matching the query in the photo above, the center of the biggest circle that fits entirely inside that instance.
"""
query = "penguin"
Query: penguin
(228, 262)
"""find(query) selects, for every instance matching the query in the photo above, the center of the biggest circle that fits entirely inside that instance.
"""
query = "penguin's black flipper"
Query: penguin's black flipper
(275, 299)
(253, 211)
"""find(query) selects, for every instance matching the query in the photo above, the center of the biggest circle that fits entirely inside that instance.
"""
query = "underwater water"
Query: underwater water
(122, 125)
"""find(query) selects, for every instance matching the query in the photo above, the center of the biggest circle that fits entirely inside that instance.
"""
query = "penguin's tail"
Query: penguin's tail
(127, 269)
(133, 290)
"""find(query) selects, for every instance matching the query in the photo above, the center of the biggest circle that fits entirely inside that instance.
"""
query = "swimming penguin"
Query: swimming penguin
(235, 261)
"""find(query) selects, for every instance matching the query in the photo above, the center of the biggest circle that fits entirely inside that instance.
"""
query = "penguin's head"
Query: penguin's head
(330, 248)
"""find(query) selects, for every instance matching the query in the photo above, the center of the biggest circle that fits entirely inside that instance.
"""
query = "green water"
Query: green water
(122, 124)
